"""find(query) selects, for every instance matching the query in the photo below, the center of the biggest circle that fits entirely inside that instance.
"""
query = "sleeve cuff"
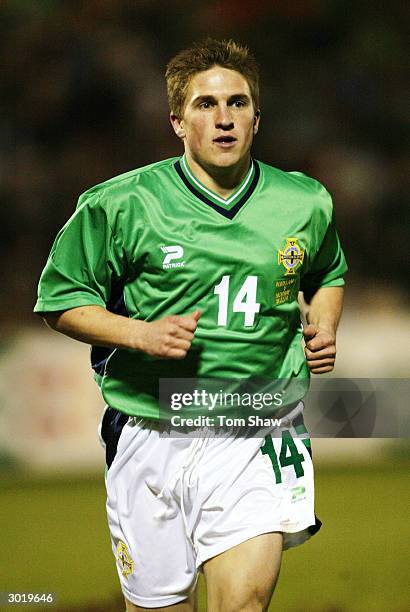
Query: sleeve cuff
(55, 304)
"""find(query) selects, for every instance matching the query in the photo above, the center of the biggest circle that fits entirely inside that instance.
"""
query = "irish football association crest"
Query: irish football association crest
(124, 559)
(291, 256)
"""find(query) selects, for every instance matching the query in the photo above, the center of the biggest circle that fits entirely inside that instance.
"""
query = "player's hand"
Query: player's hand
(170, 337)
(320, 349)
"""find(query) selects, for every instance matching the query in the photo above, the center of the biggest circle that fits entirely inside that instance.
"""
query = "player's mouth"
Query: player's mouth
(226, 142)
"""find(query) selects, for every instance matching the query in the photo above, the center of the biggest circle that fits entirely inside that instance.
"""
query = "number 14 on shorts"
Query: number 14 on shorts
(289, 455)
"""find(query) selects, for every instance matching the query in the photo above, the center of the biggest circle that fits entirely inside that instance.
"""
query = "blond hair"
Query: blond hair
(205, 55)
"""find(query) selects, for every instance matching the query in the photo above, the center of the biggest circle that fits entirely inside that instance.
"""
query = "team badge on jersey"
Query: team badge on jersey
(291, 256)
(124, 559)
(171, 254)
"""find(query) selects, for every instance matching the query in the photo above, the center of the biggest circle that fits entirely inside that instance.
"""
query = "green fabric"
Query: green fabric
(120, 233)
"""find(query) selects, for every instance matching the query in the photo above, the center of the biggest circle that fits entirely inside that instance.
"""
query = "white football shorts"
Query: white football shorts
(174, 502)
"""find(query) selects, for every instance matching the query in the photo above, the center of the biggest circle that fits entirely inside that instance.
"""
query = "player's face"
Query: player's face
(219, 119)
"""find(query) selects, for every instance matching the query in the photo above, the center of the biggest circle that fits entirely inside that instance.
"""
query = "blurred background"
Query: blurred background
(84, 99)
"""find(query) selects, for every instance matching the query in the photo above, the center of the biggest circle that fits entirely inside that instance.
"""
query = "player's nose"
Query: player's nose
(223, 118)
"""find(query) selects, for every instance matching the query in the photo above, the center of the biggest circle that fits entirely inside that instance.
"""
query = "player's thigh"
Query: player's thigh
(244, 576)
(189, 605)
(156, 564)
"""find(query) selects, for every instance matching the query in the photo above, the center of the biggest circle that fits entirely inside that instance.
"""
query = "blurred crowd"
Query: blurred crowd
(84, 99)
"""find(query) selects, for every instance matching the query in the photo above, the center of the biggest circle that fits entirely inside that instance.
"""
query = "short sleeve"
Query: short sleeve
(328, 265)
(83, 263)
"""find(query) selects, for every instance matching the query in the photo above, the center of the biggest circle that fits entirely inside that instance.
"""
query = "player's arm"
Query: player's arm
(170, 337)
(88, 257)
(322, 316)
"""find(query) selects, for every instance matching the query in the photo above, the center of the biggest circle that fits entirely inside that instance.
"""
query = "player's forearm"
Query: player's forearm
(96, 325)
(326, 308)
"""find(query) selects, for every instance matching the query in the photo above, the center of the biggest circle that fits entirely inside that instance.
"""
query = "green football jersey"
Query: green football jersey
(155, 241)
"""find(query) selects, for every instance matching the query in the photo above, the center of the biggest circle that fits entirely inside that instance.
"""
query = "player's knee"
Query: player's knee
(245, 600)
(188, 605)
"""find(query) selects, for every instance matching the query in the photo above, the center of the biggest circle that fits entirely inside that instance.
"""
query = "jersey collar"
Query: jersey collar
(226, 207)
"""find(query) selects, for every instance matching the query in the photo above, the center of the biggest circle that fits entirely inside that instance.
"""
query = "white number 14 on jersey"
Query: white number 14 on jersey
(245, 300)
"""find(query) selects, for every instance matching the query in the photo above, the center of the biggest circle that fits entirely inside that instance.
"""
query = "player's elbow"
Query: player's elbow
(51, 319)
(308, 294)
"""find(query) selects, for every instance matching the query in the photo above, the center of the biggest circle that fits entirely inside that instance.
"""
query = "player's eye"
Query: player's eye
(205, 105)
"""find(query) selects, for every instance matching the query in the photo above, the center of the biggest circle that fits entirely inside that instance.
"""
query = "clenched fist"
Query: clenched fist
(320, 349)
(170, 337)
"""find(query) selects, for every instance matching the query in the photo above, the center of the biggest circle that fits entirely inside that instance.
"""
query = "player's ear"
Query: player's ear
(256, 119)
(178, 125)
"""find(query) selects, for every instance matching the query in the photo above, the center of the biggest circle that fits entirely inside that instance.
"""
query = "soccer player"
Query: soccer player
(191, 267)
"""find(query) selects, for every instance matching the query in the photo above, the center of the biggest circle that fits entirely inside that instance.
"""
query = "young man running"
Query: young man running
(191, 267)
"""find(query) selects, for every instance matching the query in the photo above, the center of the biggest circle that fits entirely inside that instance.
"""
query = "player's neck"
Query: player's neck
(222, 181)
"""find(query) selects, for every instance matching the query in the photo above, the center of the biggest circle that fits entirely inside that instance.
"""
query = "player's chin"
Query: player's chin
(230, 155)
(225, 159)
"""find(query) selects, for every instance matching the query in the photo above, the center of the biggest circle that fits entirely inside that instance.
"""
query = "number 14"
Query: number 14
(245, 300)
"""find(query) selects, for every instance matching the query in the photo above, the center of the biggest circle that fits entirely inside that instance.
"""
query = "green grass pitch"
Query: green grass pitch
(55, 539)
